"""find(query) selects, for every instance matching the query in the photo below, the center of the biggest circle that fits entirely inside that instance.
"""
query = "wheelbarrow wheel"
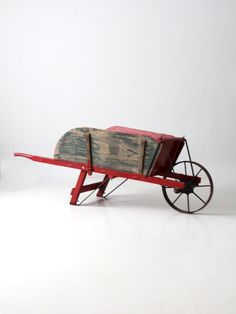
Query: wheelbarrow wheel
(193, 197)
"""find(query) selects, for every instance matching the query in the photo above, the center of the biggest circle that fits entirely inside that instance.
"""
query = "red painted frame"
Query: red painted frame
(109, 174)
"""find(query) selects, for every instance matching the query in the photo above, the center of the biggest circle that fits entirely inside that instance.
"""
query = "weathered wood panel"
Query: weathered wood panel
(113, 150)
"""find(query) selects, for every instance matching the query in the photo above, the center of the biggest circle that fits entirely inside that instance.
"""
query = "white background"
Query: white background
(164, 66)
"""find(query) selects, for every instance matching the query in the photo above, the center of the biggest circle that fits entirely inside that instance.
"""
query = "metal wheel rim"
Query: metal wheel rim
(202, 169)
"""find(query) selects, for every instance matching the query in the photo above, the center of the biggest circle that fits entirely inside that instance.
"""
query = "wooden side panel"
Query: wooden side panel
(113, 150)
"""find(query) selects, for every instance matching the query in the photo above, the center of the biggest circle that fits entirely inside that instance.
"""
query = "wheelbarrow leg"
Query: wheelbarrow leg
(77, 189)
(102, 188)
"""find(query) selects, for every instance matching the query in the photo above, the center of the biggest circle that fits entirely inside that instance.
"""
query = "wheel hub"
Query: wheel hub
(188, 189)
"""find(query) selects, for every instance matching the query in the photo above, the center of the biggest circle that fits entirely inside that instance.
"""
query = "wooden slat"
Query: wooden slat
(141, 156)
(89, 152)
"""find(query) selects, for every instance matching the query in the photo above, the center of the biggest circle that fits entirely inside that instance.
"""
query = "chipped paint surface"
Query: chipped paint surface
(113, 150)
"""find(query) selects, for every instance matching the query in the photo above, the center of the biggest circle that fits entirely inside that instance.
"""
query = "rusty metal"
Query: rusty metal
(189, 189)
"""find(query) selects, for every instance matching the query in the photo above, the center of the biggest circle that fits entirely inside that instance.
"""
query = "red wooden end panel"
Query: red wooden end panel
(168, 156)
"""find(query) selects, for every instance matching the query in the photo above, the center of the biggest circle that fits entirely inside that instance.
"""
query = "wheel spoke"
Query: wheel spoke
(177, 198)
(192, 168)
(198, 172)
(188, 202)
(199, 197)
(185, 168)
(203, 186)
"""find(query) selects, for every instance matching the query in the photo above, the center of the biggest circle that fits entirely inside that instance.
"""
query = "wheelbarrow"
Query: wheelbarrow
(131, 154)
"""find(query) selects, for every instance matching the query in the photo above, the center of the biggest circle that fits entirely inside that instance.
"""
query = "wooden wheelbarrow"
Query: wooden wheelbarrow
(132, 154)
